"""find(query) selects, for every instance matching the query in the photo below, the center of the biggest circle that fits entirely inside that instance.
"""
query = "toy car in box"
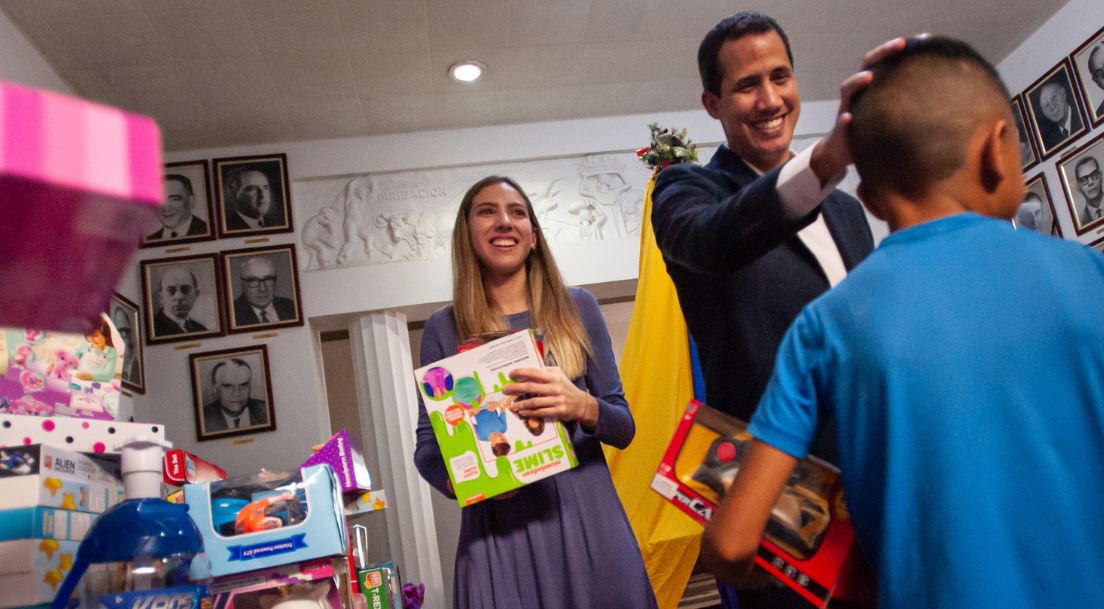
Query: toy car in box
(267, 520)
(808, 542)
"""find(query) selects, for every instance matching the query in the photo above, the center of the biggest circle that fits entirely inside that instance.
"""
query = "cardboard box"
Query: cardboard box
(316, 580)
(81, 435)
(40, 374)
(44, 523)
(379, 585)
(40, 475)
(31, 570)
(182, 467)
(317, 530)
(808, 544)
(343, 454)
(489, 450)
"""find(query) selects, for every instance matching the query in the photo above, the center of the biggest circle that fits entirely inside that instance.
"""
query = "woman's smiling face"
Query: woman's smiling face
(501, 229)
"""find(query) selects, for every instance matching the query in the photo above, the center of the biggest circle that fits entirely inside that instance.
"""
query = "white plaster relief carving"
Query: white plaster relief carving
(400, 216)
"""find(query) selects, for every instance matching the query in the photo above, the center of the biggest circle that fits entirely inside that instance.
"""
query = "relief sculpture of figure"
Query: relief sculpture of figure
(320, 239)
(355, 228)
(603, 182)
(591, 220)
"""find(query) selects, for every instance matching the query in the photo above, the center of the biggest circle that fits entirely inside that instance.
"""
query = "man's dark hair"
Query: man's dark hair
(233, 360)
(737, 26)
(182, 180)
(911, 126)
(1085, 161)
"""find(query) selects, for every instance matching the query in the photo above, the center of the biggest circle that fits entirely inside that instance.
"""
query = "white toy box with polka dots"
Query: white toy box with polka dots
(94, 436)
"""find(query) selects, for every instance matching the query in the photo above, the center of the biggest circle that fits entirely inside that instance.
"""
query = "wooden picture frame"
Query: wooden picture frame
(1052, 102)
(187, 304)
(1080, 182)
(188, 207)
(253, 194)
(1090, 78)
(127, 319)
(261, 287)
(1029, 149)
(232, 392)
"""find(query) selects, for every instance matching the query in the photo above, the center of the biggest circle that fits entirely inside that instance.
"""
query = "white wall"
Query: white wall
(1058, 37)
(21, 63)
(301, 413)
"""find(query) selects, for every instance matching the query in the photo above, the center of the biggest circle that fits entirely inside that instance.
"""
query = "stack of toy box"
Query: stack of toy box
(48, 500)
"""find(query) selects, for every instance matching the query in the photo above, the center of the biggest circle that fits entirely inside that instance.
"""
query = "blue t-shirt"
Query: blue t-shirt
(964, 363)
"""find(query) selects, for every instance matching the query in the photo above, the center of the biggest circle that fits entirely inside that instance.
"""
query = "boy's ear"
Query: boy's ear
(872, 203)
(994, 151)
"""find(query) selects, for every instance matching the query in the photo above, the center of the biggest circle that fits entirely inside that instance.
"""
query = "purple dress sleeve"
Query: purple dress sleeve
(615, 422)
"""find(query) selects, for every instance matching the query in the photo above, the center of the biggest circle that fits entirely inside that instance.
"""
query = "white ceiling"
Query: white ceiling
(237, 72)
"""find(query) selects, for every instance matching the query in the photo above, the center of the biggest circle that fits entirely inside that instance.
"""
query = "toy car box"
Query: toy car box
(487, 448)
(808, 543)
(41, 475)
(267, 520)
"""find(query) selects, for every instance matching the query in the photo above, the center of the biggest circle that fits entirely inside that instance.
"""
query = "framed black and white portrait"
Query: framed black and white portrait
(262, 288)
(126, 317)
(232, 392)
(1088, 66)
(1029, 154)
(1055, 108)
(254, 196)
(1082, 185)
(185, 216)
(181, 298)
(1036, 212)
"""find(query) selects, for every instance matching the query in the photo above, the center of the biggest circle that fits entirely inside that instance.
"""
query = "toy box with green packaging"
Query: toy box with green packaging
(488, 449)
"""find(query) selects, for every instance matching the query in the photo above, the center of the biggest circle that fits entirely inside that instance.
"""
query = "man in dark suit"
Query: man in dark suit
(233, 407)
(1096, 71)
(258, 303)
(1088, 176)
(250, 201)
(175, 216)
(177, 295)
(757, 233)
(1057, 120)
(123, 325)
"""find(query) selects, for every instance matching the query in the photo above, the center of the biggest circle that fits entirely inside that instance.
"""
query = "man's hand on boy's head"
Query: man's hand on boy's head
(831, 155)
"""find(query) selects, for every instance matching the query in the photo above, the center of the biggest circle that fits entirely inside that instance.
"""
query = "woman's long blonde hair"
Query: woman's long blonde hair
(550, 304)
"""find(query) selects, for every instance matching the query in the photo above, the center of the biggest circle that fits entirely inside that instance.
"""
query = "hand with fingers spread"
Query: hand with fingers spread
(831, 154)
(549, 394)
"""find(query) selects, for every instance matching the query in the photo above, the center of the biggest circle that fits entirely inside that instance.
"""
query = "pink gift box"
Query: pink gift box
(342, 452)
(78, 182)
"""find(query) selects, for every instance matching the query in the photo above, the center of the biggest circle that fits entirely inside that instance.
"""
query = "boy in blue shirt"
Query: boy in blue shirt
(963, 361)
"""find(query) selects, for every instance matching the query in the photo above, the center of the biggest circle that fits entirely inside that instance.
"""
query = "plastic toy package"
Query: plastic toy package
(808, 542)
(267, 519)
(487, 448)
(315, 584)
(54, 373)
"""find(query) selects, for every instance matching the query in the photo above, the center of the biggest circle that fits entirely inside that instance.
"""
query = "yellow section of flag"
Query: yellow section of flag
(656, 374)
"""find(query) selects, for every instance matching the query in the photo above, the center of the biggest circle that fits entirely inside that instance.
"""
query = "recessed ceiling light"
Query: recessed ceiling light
(466, 71)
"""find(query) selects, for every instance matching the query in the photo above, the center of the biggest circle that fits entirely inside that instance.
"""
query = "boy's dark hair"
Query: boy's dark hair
(735, 27)
(911, 126)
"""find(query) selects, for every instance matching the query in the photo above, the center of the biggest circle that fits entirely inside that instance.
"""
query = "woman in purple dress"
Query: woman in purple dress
(563, 542)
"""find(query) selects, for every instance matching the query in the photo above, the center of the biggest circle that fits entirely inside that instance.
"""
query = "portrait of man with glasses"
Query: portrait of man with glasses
(263, 287)
(1087, 181)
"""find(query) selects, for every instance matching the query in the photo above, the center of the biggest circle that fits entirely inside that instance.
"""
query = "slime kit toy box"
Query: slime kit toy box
(808, 543)
(487, 448)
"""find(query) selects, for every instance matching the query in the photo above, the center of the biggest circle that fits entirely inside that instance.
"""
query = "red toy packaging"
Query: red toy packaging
(808, 544)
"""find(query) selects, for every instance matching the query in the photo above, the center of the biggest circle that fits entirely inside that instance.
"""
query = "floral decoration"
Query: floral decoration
(668, 147)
